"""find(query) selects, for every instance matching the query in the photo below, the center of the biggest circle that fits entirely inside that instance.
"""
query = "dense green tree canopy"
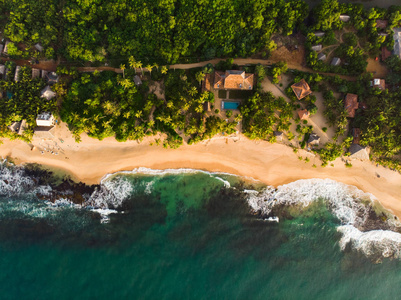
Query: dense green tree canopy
(154, 30)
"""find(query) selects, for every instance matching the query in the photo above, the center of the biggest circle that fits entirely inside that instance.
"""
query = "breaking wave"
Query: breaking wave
(111, 194)
(352, 207)
(374, 243)
(14, 182)
(106, 198)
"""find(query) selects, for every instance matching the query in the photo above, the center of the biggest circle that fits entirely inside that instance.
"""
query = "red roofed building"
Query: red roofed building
(233, 79)
(207, 83)
(351, 104)
(385, 53)
(303, 114)
(301, 89)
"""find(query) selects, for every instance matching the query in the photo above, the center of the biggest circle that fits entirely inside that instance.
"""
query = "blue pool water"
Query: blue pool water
(230, 105)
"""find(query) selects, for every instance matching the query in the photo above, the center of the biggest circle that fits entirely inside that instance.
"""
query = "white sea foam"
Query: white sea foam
(14, 182)
(112, 193)
(341, 198)
(104, 212)
(27, 208)
(344, 201)
(372, 243)
(225, 182)
(148, 188)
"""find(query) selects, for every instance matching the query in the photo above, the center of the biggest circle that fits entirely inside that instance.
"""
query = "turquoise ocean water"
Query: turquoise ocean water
(188, 235)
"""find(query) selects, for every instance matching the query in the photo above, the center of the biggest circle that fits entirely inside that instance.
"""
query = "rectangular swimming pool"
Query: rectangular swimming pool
(230, 105)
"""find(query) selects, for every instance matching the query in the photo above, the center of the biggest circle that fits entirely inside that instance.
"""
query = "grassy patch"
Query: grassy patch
(240, 94)
(222, 94)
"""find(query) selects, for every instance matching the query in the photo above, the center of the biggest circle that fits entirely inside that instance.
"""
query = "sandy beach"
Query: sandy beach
(273, 164)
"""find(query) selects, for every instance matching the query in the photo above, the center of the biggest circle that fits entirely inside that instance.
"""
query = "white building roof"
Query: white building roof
(44, 119)
(47, 93)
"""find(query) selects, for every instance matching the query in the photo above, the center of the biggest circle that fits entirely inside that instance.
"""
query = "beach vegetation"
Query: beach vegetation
(263, 114)
(107, 104)
(21, 100)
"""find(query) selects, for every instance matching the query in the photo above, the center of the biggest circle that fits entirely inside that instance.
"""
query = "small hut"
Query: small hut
(279, 136)
(44, 74)
(378, 83)
(314, 140)
(206, 106)
(35, 73)
(39, 47)
(5, 51)
(345, 18)
(351, 104)
(207, 82)
(16, 75)
(321, 56)
(303, 114)
(14, 127)
(137, 80)
(2, 70)
(52, 78)
(301, 89)
(45, 119)
(335, 61)
(358, 152)
(47, 93)
(22, 127)
(317, 47)
(319, 33)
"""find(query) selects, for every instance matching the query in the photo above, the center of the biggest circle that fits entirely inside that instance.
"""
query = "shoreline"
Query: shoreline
(272, 164)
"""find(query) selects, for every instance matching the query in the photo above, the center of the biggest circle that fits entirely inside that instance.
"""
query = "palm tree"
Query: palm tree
(122, 67)
(132, 62)
(149, 67)
(126, 83)
(139, 65)
(164, 70)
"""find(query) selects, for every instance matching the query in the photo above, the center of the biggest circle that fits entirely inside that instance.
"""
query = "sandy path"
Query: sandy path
(52, 66)
(252, 61)
(273, 164)
(378, 69)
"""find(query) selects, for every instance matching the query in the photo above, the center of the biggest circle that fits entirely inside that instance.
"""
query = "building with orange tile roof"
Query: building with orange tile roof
(233, 80)
(351, 104)
(301, 89)
(207, 83)
(303, 114)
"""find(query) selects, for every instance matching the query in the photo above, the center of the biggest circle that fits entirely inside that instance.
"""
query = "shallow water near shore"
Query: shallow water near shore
(185, 234)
